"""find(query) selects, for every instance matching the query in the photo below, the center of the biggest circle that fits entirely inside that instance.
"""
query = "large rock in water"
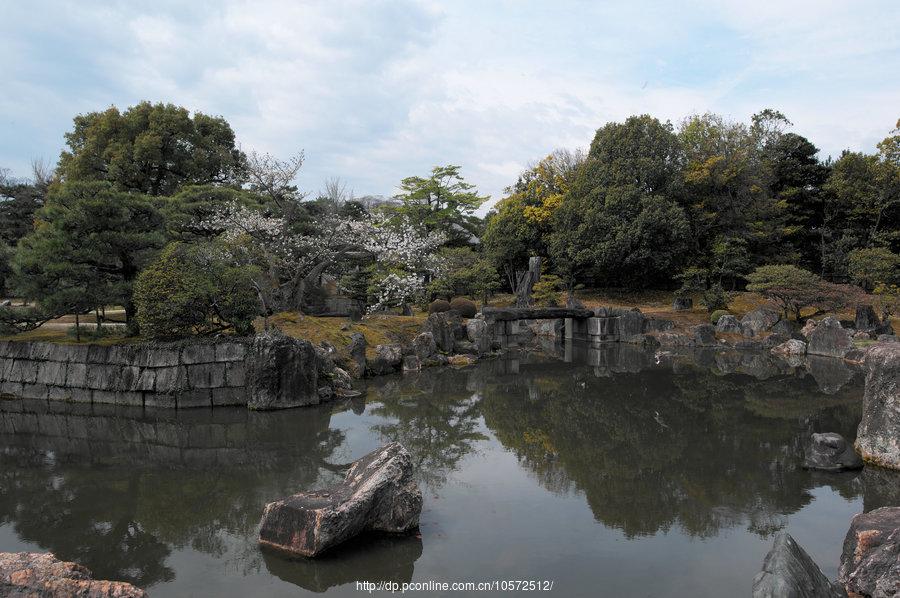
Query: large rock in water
(282, 372)
(878, 435)
(759, 320)
(788, 572)
(388, 359)
(356, 366)
(378, 495)
(870, 561)
(829, 338)
(831, 452)
(445, 327)
(728, 323)
(42, 575)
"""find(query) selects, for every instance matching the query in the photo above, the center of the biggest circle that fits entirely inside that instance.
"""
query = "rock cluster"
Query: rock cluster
(378, 494)
(42, 575)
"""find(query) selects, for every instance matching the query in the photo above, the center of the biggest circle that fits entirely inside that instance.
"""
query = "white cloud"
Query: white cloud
(375, 91)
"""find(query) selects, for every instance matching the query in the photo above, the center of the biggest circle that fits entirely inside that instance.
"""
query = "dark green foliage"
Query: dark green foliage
(546, 291)
(151, 148)
(463, 272)
(89, 244)
(795, 289)
(186, 209)
(195, 289)
(465, 307)
(438, 306)
(715, 298)
(442, 201)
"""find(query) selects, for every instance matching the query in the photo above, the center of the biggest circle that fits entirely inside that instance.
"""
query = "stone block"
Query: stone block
(156, 357)
(144, 380)
(235, 373)
(34, 391)
(98, 354)
(169, 379)
(22, 370)
(102, 377)
(76, 374)
(198, 354)
(229, 396)
(51, 372)
(40, 351)
(160, 400)
(197, 397)
(230, 351)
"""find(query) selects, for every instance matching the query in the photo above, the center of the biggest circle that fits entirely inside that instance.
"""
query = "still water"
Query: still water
(609, 472)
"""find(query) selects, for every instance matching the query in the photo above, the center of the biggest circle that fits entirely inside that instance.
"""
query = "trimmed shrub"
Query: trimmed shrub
(714, 316)
(465, 307)
(715, 298)
(192, 289)
(546, 291)
(438, 306)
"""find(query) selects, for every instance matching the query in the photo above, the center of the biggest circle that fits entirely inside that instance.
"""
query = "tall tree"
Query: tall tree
(151, 148)
(89, 243)
(441, 202)
(618, 223)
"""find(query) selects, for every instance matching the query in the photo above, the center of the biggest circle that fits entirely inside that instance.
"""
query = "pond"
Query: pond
(606, 471)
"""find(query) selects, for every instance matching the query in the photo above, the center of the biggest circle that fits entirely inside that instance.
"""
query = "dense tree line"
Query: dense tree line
(159, 211)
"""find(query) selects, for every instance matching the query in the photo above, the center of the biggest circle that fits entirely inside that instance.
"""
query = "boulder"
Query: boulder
(411, 363)
(784, 327)
(775, 339)
(465, 347)
(790, 347)
(682, 304)
(866, 318)
(42, 575)
(704, 335)
(387, 360)
(831, 452)
(808, 327)
(878, 435)
(888, 338)
(870, 560)
(479, 334)
(788, 572)
(759, 320)
(378, 494)
(862, 336)
(282, 372)
(424, 345)
(658, 325)
(356, 366)
(829, 338)
(728, 324)
(445, 327)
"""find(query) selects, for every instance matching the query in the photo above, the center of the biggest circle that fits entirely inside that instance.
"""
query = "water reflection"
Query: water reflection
(649, 441)
(375, 558)
(117, 490)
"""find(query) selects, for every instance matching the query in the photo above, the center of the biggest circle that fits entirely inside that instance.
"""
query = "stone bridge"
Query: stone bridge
(602, 324)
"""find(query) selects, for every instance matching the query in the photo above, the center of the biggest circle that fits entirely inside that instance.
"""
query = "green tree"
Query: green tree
(151, 148)
(874, 265)
(195, 289)
(89, 243)
(795, 289)
(442, 201)
(520, 224)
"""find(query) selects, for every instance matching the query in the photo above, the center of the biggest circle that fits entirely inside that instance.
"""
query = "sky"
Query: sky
(375, 91)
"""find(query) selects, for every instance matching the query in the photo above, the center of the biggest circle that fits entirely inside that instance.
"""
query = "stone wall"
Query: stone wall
(178, 375)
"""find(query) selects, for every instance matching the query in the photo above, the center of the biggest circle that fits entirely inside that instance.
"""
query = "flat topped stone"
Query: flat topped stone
(378, 494)
(533, 313)
(42, 575)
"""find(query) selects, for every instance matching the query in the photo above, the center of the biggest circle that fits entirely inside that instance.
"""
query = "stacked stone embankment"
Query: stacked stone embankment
(170, 375)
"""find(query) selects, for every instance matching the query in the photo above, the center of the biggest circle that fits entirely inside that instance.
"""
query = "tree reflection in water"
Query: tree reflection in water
(653, 442)
(650, 450)
(75, 481)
